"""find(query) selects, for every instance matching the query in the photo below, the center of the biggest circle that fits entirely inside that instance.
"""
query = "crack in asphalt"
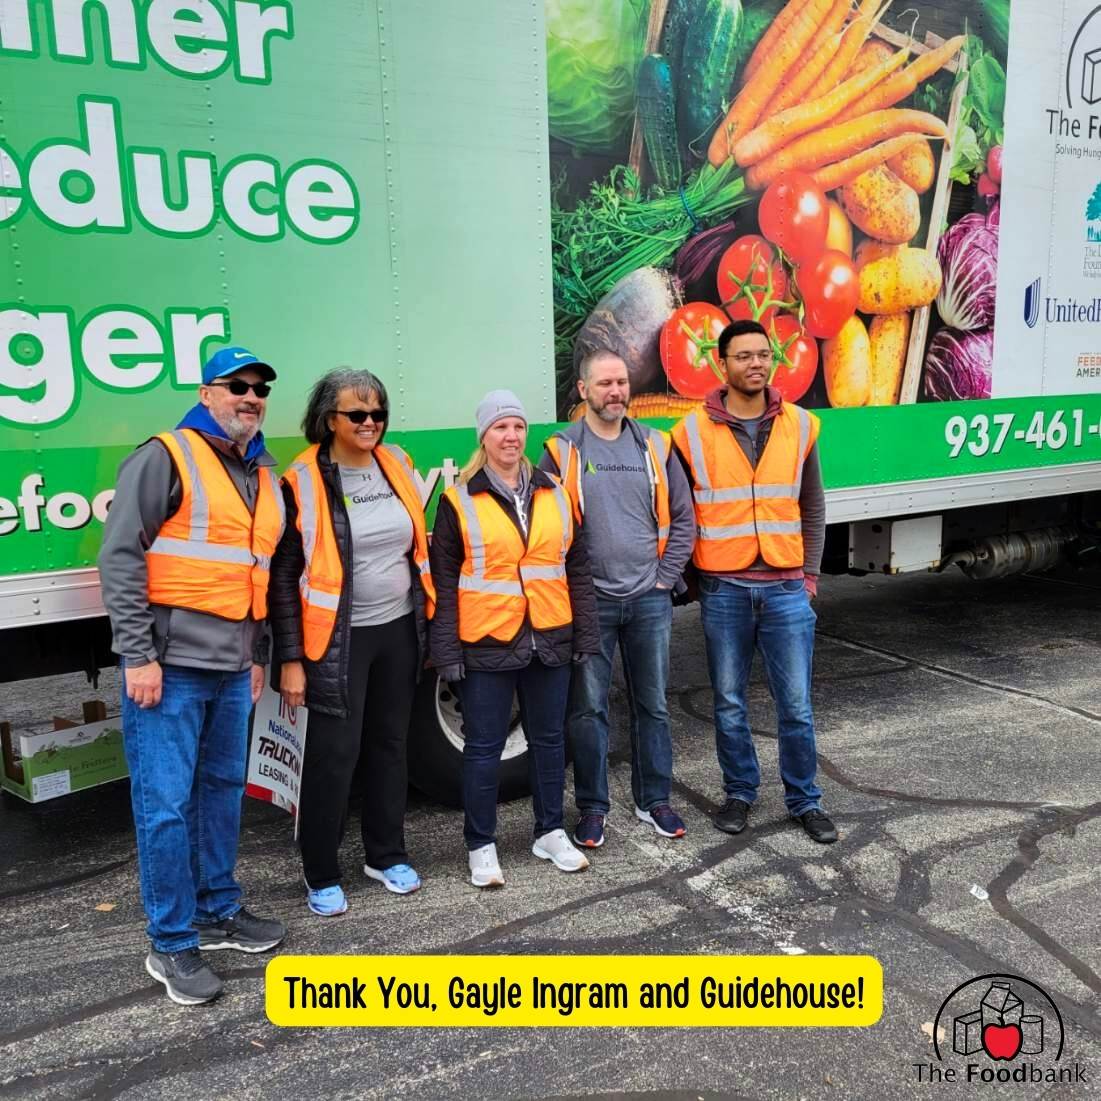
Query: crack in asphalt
(965, 678)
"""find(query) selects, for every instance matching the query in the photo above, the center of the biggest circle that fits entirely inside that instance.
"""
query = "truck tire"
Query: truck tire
(436, 748)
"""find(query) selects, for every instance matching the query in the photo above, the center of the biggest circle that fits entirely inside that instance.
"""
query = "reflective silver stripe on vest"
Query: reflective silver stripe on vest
(307, 518)
(497, 588)
(763, 527)
(402, 458)
(205, 552)
(307, 510)
(473, 532)
(743, 493)
(695, 447)
(573, 455)
(280, 504)
(562, 500)
(319, 599)
(663, 532)
(542, 573)
(263, 561)
(200, 503)
(804, 439)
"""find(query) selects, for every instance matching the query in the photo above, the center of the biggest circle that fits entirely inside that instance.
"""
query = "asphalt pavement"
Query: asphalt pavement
(960, 755)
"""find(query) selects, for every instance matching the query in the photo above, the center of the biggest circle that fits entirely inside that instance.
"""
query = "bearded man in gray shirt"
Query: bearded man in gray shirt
(636, 508)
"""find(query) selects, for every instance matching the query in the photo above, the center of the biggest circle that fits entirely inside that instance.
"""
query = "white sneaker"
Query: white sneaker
(485, 871)
(556, 847)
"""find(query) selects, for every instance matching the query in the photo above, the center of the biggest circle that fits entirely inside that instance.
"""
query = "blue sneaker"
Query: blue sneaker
(589, 830)
(664, 819)
(399, 878)
(327, 902)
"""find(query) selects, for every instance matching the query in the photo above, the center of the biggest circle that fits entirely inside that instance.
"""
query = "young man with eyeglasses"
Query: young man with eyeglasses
(752, 460)
(184, 569)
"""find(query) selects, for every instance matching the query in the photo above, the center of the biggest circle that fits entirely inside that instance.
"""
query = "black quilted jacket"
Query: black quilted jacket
(327, 679)
(555, 647)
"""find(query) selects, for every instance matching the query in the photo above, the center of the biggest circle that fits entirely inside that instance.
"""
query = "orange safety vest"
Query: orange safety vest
(567, 457)
(741, 512)
(323, 576)
(502, 580)
(214, 555)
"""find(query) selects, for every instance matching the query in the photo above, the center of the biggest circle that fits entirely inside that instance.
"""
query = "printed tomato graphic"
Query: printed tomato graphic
(796, 357)
(829, 288)
(752, 282)
(688, 346)
(794, 215)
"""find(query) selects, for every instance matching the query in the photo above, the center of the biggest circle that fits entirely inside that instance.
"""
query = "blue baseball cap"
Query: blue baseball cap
(228, 361)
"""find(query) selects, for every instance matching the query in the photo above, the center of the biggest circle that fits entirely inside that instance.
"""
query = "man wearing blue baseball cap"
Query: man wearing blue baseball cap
(184, 567)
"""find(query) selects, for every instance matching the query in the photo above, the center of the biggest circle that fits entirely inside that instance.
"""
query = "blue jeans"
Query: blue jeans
(641, 627)
(778, 620)
(487, 711)
(187, 761)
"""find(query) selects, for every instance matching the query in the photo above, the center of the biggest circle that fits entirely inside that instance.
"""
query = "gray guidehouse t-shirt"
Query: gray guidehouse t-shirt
(382, 533)
(620, 531)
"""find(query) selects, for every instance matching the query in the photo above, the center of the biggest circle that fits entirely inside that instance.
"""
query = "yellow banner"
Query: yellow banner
(575, 991)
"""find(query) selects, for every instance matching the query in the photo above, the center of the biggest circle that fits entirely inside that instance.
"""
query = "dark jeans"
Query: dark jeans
(382, 676)
(487, 709)
(776, 619)
(641, 627)
(187, 777)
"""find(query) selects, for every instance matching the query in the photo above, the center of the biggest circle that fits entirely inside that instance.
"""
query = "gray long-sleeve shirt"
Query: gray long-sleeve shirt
(147, 493)
(620, 529)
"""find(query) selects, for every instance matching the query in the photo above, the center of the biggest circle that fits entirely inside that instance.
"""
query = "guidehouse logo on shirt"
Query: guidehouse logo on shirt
(367, 498)
(614, 468)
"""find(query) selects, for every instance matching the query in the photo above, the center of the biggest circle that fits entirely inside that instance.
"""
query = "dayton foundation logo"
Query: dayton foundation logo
(999, 1029)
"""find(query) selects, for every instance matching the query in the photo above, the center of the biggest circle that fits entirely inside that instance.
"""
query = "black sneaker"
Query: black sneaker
(186, 977)
(732, 816)
(244, 931)
(818, 826)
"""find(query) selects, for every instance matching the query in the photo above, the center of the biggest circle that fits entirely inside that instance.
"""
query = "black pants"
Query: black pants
(382, 674)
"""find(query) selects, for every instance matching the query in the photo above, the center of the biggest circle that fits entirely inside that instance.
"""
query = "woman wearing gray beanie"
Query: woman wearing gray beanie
(515, 607)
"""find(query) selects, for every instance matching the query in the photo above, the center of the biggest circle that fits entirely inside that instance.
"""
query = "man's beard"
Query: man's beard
(604, 413)
(239, 432)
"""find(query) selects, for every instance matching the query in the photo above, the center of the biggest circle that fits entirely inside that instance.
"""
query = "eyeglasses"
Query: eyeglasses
(239, 388)
(749, 357)
(359, 416)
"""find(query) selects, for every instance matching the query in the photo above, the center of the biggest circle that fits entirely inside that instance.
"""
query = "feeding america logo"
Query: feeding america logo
(999, 1029)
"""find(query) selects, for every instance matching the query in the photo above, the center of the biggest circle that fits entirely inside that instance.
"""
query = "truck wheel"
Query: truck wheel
(436, 747)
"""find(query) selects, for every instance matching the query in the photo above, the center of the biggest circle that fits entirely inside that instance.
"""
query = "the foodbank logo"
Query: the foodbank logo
(999, 1029)
(1083, 79)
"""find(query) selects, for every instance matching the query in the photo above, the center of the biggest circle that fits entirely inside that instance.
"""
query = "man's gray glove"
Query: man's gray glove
(452, 673)
(580, 659)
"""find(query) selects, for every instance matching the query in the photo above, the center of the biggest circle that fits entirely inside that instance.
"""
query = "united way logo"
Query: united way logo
(1032, 303)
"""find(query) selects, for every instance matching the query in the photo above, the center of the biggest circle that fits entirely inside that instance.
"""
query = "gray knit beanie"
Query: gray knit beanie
(496, 405)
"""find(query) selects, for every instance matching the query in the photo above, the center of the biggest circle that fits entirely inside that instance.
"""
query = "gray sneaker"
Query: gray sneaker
(186, 977)
(243, 932)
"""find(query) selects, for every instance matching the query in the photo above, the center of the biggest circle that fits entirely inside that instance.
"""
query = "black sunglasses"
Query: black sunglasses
(359, 416)
(239, 388)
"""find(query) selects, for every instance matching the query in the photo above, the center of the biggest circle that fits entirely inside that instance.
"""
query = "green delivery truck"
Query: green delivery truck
(465, 196)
